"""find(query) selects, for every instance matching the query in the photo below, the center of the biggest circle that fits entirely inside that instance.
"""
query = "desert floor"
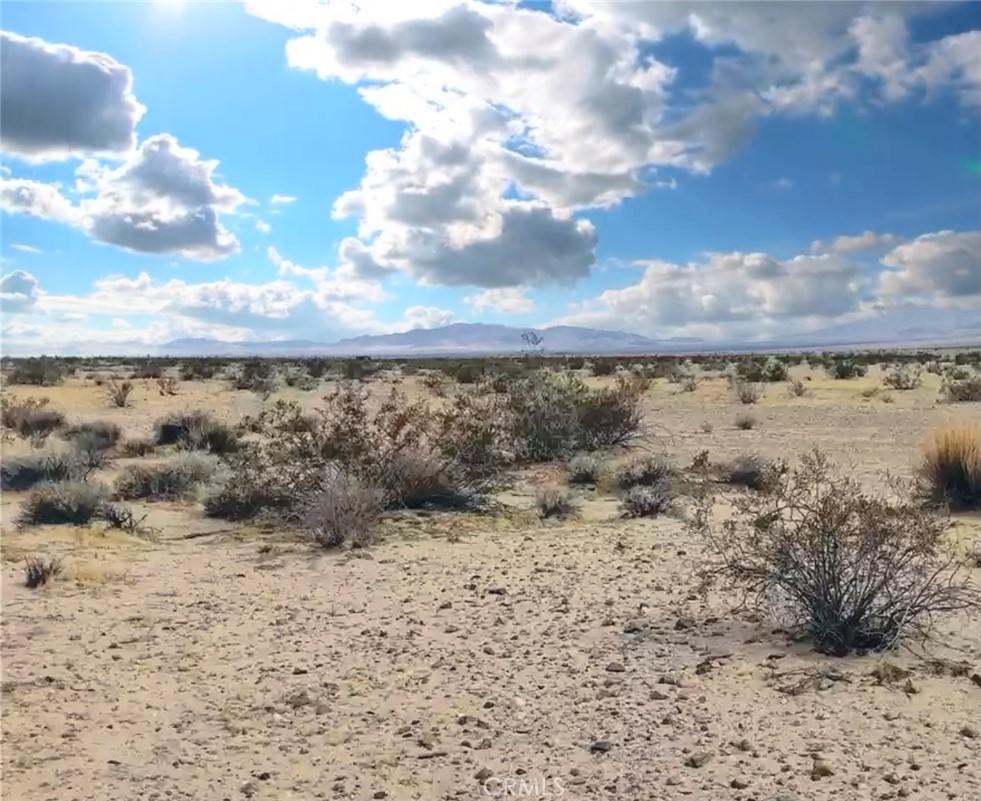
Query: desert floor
(468, 657)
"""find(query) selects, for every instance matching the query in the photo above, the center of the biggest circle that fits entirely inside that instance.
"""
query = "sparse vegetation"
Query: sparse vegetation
(797, 388)
(904, 377)
(63, 503)
(176, 478)
(752, 471)
(746, 393)
(25, 472)
(555, 501)
(93, 435)
(30, 417)
(138, 447)
(949, 470)
(965, 390)
(745, 422)
(853, 571)
(647, 500)
(644, 471)
(585, 468)
(196, 431)
(38, 571)
(345, 510)
(43, 371)
(118, 391)
(843, 368)
(167, 385)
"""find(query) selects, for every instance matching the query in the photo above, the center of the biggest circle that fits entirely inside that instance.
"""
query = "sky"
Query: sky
(296, 169)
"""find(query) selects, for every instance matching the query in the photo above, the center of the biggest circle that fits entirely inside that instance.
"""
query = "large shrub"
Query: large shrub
(95, 435)
(24, 472)
(196, 431)
(30, 417)
(176, 478)
(964, 390)
(345, 510)
(63, 503)
(852, 570)
(42, 371)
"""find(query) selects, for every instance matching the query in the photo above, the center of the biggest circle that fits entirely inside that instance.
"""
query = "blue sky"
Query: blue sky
(725, 170)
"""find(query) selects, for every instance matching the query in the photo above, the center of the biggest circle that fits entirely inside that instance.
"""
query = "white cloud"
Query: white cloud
(518, 118)
(36, 199)
(161, 199)
(59, 101)
(26, 248)
(941, 266)
(19, 291)
(783, 183)
(423, 317)
(262, 227)
(509, 300)
(729, 295)
(868, 240)
(282, 200)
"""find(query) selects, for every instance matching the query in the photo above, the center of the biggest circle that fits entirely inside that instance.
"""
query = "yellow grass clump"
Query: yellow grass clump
(950, 465)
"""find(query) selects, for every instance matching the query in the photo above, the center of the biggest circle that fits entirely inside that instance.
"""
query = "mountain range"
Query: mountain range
(908, 328)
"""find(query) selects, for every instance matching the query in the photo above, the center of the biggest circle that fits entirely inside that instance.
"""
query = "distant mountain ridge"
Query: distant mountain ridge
(906, 328)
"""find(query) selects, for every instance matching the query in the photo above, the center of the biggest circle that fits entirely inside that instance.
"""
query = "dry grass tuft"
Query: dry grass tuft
(949, 471)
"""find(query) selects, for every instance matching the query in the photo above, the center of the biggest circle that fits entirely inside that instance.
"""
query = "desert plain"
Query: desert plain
(471, 656)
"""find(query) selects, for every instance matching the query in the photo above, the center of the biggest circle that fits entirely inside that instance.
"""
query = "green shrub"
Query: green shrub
(964, 391)
(177, 478)
(95, 435)
(43, 371)
(584, 468)
(196, 431)
(647, 500)
(30, 417)
(645, 471)
(844, 368)
(25, 472)
(39, 571)
(63, 503)
(555, 502)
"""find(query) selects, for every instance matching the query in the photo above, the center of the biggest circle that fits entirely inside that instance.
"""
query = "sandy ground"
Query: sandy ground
(470, 657)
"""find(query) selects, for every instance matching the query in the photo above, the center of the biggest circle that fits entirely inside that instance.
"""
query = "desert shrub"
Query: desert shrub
(435, 383)
(196, 431)
(30, 417)
(745, 422)
(24, 472)
(854, 571)
(796, 388)
(647, 500)
(963, 391)
(552, 416)
(752, 471)
(39, 571)
(688, 383)
(584, 468)
(118, 391)
(344, 511)
(555, 502)
(247, 493)
(42, 371)
(746, 393)
(256, 376)
(167, 386)
(90, 453)
(644, 471)
(176, 478)
(298, 378)
(949, 470)
(198, 370)
(844, 368)
(94, 435)
(759, 371)
(138, 447)
(147, 370)
(603, 367)
(903, 377)
(62, 503)
(464, 372)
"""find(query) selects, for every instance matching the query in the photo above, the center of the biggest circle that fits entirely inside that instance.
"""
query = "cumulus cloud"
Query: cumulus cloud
(868, 240)
(262, 227)
(19, 291)
(163, 198)
(36, 199)
(742, 295)
(423, 317)
(941, 266)
(509, 300)
(566, 110)
(59, 101)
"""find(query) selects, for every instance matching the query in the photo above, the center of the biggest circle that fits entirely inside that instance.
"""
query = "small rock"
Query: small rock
(825, 683)
(298, 671)
(497, 591)
(673, 781)
(633, 626)
(910, 688)
(248, 789)
(892, 778)
(484, 744)
(379, 794)
(699, 759)
(683, 623)
(739, 784)
(483, 774)
(891, 716)
(600, 747)
(821, 769)
(742, 745)
(615, 667)
(657, 695)
(976, 678)
(971, 732)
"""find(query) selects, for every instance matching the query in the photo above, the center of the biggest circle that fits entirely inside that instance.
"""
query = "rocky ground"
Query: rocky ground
(468, 657)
